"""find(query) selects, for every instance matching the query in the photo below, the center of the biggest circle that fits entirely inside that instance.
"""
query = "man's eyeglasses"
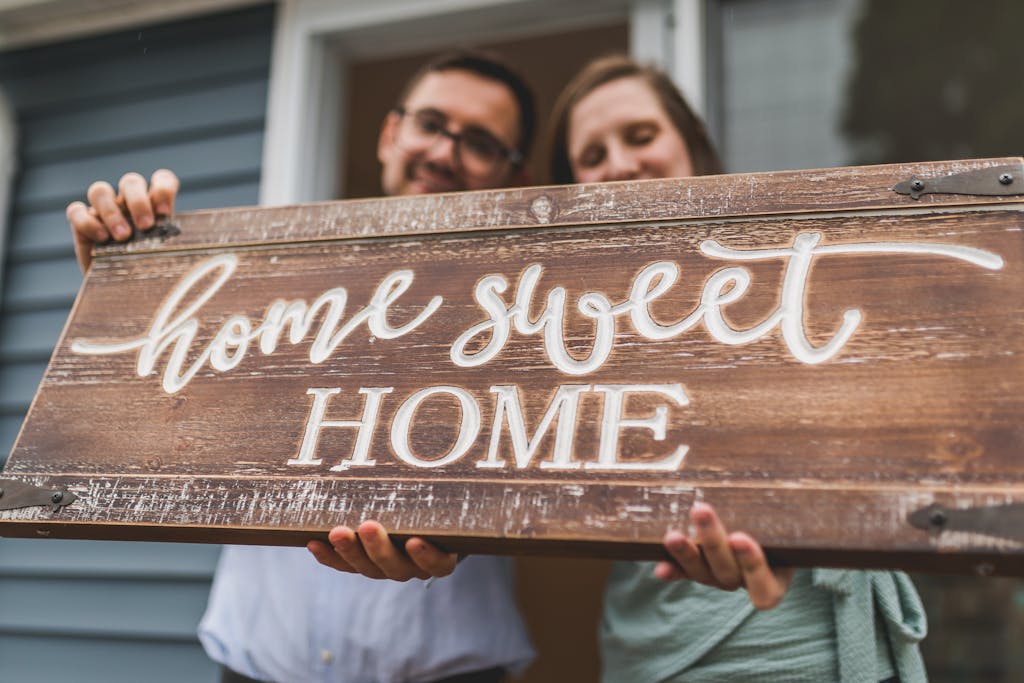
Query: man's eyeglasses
(479, 152)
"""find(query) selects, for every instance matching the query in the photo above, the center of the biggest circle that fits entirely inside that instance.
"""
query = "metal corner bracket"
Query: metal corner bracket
(16, 494)
(1001, 521)
(995, 181)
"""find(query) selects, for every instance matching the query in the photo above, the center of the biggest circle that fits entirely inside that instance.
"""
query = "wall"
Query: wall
(190, 96)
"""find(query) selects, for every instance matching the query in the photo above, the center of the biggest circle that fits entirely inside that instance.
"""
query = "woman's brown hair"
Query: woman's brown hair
(611, 68)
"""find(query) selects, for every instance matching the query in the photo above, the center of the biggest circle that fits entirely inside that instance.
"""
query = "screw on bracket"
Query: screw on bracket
(916, 185)
(1006, 178)
(937, 518)
(1000, 521)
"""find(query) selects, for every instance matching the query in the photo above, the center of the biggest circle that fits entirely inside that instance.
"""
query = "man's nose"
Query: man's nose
(444, 150)
(621, 164)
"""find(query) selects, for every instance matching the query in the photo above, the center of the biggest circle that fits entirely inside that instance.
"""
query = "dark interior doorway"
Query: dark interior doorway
(547, 62)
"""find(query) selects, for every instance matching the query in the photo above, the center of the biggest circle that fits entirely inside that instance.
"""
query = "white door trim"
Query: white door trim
(689, 39)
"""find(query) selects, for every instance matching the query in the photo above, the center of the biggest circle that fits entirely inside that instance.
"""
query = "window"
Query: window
(818, 83)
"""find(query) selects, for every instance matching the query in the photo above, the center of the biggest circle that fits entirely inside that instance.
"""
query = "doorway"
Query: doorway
(547, 62)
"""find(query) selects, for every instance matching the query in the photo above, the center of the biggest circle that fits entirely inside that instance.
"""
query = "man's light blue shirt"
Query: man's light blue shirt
(276, 614)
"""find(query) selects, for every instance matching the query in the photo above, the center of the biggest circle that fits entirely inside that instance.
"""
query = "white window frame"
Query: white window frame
(688, 56)
(671, 34)
(314, 38)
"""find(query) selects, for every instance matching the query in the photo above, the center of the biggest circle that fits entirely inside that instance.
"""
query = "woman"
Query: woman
(618, 120)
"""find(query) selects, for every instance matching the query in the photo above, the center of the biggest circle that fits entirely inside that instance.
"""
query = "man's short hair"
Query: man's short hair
(487, 65)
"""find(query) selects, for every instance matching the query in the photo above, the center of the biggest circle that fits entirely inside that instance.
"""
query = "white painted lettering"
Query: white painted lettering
(236, 333)
(721, 288)
(469, 426)
(175, 324)
(508, 409)
(613, 422)
(315, 422)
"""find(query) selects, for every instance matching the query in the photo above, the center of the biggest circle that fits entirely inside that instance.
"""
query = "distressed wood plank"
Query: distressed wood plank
(780, 192)
(611, 520)
(882, 373)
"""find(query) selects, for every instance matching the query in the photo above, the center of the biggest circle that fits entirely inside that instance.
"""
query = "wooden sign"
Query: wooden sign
(832, 358)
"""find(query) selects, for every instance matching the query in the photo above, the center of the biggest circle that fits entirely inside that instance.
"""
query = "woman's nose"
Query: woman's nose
(621, 163)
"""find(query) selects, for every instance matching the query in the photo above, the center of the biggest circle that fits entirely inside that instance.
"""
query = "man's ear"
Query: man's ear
(386, 139)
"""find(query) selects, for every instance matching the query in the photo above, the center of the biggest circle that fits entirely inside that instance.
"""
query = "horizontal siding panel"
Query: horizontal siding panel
(34, 658)
(41, 284)
(110, 559)
(10, 425)
(216, 196)
(81, 131)
(18, 384)
(130, 70)
(56, 183)
(40, 233)
(124, 610)
(30, 335)
(45, 234)
(189, 96)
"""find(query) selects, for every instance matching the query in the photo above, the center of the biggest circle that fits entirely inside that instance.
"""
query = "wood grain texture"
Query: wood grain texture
(822, 461)
(778, 192)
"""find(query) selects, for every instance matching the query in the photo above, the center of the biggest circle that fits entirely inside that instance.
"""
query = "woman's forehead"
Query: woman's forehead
(614, 103)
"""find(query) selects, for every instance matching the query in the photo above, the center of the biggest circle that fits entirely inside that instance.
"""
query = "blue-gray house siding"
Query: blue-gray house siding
(190, 96)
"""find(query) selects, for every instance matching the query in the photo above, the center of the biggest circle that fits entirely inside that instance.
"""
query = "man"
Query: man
(464, 122)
